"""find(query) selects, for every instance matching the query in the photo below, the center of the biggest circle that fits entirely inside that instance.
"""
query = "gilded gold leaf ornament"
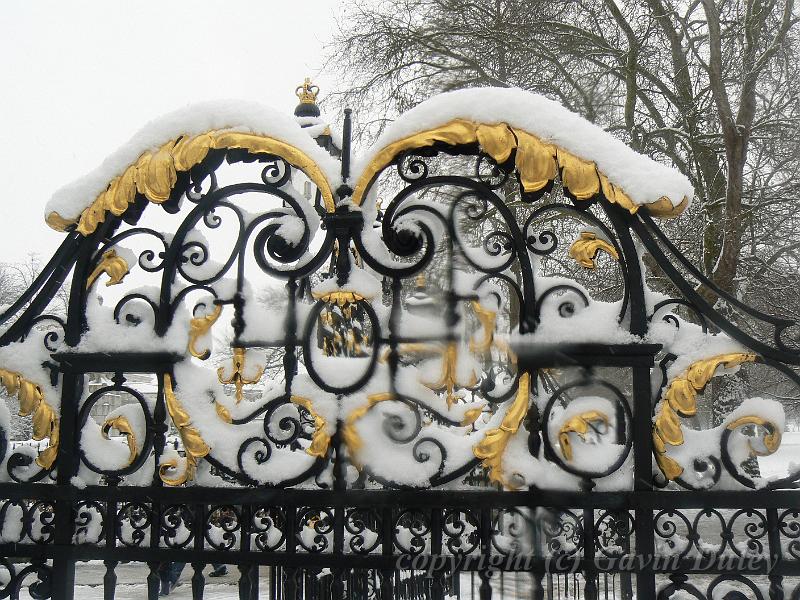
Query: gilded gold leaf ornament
(470, 416)
(121, 424)
(198, 328)
(579, 176)
(581, 424)
(112, 265)
(488, 321)
(154, 173)
(194, 446)
(238, 377)
(584, 250)
(772, 439)
(537, 161)
(32, 402)
(223, 413)
(320, 440)
(680, 400)
(497, 141)
(340, 298)
(350, 436)
(491, 448)
(448, 378)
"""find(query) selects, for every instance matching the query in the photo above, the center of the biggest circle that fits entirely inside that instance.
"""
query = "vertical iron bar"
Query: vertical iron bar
(643, 474)
(110, 577)
(347, 135)
(64, 561)
(485, 590)
(590, 572)
(775, 556)
(198, 580)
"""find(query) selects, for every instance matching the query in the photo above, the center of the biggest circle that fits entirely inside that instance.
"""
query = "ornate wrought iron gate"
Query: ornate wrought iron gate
(438, 387)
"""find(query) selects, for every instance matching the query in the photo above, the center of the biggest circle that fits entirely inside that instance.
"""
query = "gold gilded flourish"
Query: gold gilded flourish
(194, 446)
(340, 298)
(491, 448)
(448, 378)
(112, 265)
(121, 424)
(680, 400)
(320, 440)
(198, 327)
(350, 435)
(237, 377)
(538, 162)
(488, 320)
(584, 250)
(32, 403)
(155, 173)
(772, 440)
(580, 424)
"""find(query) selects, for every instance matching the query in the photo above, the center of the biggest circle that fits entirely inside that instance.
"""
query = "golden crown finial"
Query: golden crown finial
(307, 92)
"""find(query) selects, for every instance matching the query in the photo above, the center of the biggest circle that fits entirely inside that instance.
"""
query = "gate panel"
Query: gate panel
(466, 389)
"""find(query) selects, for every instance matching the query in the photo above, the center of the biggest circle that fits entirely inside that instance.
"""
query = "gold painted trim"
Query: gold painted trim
(488, 321)
(772, 440)
(340, 297)
(352, 440)
(121, 424)
(538, 162)
(237, 377)
(155, 172)
(112, 265)
(198, 327)
(194, 446)
(32, 403)
(579, 424)
(680, 400)
(448, 378)
(320, 440)
(584, 250)
(491, 448)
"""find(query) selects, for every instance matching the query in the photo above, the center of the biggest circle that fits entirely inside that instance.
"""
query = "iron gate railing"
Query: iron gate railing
(368, 429)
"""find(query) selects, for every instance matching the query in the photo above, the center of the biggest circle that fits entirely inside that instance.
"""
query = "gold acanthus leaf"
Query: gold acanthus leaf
(350, 436)
(320, 440)
(680, 400)
(488, 321)
(237, 377)
(448, 378)
(772, 440)
(112, 265)
(194, 446)
(580, 424)
(198, 327)
(340, 297)
(538, 162)
(491, 448)
(155, 173)
(32, 403)
(584, 250)
(121, 424)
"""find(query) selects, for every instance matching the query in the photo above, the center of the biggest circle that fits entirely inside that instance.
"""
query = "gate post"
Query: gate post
(643, 482)
(64, 559)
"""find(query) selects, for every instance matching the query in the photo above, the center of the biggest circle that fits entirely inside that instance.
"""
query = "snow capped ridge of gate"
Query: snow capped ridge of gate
(643, 179)
(194, 119)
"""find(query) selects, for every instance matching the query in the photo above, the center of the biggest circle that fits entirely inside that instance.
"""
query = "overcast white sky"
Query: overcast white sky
(78, 78)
